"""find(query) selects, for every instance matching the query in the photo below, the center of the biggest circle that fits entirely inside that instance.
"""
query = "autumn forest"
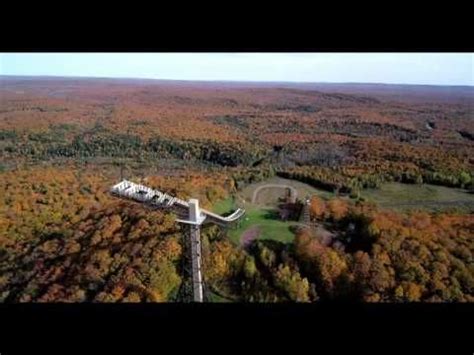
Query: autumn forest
(388, 171)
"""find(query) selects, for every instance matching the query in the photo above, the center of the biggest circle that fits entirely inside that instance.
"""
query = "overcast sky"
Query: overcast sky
(402, 68)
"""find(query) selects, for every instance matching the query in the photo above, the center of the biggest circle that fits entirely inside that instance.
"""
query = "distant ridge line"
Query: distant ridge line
(237, 82)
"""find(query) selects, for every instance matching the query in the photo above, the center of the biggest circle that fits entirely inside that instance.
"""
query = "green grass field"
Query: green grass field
(224, 206)
(268, 224)
(264, 217)
(428, 197)
(391, 195)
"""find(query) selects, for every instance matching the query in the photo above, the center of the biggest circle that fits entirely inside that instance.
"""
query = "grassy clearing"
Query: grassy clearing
(271, 196)
(429, 197)
(302, 188)
(270, 227)
(264, 217)
(224, 206)
(391, 195)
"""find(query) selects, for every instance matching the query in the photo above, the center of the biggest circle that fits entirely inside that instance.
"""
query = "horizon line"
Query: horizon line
(230, 80)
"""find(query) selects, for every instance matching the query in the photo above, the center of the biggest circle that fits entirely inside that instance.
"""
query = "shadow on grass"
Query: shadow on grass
(272, 215)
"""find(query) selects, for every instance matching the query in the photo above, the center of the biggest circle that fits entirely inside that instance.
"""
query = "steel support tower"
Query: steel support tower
(194, 217)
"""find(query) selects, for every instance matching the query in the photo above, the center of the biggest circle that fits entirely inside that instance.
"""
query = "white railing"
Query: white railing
(140, 193)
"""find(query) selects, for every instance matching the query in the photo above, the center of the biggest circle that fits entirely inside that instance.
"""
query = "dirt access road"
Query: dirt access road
(294, 192)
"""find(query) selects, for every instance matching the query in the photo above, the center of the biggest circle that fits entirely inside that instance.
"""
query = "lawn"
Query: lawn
(269, 225)
(390, 195)
(302, 188)
(265, 218)
(430, 197)
(224, 206)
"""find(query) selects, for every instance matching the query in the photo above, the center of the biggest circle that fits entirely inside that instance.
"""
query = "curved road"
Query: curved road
(294, 192)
